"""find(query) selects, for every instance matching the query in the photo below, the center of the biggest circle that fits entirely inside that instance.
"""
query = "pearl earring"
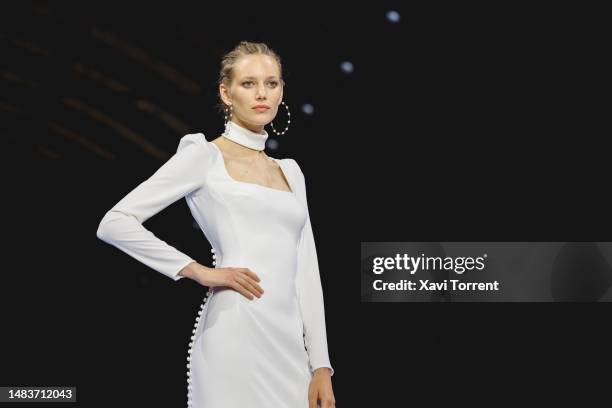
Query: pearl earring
(288, 122)
(228, 116)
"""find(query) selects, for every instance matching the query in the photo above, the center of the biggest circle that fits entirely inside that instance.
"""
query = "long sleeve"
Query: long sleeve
(309, 289)
(122, 226)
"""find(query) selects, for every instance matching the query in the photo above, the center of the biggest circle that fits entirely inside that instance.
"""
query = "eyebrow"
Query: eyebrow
(252, 77)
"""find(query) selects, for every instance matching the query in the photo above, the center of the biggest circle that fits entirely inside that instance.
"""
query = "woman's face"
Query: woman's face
(256, 81)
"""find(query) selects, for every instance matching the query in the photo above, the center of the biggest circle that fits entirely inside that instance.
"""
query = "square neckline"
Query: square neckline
(292, 191)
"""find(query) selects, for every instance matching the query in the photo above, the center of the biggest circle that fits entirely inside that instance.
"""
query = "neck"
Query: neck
(245, 137)
(256, 128)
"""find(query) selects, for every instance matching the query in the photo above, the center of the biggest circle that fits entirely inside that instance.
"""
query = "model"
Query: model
(259, 338)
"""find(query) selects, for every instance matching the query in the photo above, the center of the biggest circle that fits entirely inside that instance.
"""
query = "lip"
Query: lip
(261, 108)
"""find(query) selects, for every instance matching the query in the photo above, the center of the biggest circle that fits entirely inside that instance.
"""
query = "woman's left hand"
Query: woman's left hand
(321, 389)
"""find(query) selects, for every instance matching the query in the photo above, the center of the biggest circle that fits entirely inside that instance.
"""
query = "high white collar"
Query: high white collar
(245, 137)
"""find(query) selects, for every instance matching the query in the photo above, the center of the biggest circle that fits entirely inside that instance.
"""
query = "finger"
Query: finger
(250, 274)
(249, 286)
(312, 400)
(253, 275)
(236, 285)
(249, 279)
(328, 403)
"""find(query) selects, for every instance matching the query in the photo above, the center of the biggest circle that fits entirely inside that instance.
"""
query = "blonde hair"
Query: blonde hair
(226, 74)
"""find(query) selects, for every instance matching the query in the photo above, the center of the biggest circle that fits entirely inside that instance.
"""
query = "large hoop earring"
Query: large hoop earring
(288, 122)
(228, 116)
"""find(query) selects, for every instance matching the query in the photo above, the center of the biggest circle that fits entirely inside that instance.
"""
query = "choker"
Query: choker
(245, 137)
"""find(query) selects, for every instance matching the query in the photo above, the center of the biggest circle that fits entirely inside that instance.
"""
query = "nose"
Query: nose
(261, 92)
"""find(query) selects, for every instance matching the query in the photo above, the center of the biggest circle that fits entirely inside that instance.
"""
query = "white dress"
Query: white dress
(243, 353)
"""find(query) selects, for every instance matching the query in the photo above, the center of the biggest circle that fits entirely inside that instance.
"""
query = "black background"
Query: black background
(458, 124)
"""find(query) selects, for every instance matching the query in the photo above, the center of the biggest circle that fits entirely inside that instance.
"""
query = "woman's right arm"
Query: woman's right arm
(122, 225)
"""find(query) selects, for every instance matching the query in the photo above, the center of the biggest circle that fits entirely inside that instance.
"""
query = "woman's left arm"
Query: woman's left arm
(310, 297)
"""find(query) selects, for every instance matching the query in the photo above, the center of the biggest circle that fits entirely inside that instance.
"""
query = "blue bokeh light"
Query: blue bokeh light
(393, 16)
(347, 67)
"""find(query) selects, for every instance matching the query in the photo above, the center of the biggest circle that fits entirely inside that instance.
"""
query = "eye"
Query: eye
(275, 83)
(247, 82)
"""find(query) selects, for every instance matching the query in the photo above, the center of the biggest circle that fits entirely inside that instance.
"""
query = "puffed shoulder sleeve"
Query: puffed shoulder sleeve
(122, 227)
(308, 287)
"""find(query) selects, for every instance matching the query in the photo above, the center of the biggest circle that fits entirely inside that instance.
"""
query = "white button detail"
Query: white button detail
(197, 322)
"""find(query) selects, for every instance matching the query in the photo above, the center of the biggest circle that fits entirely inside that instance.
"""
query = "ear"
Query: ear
(224, 93)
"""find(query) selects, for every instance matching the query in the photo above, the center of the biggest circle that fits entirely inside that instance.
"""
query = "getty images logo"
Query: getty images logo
(458, 264)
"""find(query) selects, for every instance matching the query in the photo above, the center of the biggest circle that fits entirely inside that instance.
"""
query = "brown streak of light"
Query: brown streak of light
(181, 80)
(13, 77)
(48, 152)
(87, 144)
(32, 47)
(120, 128)
(166, 117)
(9, 108)
(100, 78)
